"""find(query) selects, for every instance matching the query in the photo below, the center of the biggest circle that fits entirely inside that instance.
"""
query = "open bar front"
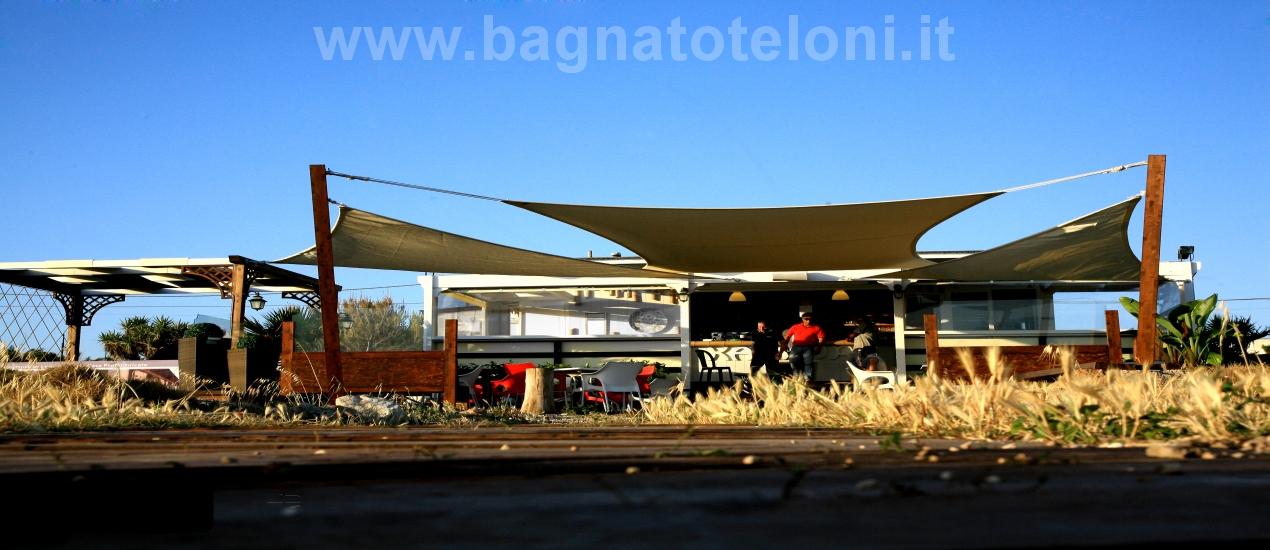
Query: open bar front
(589, 322)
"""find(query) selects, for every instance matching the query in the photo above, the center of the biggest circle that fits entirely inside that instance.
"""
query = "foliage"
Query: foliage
(1243, 332)
(1187, 332)
(269, 327)
(380, 325)
(1085, 407)
(248, 341)
(142, 337)
(196, 330)
(76, 398)
(15, 355)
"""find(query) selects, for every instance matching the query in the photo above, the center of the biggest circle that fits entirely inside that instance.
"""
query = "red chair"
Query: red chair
(645, 377)
(512, 385)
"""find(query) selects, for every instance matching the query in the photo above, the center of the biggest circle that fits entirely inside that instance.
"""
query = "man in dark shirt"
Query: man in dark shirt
(767, 349)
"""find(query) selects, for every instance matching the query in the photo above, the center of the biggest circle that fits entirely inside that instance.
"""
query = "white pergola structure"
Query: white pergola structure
(85, 286)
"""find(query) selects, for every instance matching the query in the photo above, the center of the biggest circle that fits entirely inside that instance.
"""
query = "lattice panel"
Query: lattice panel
(310, 299)
(30, 320)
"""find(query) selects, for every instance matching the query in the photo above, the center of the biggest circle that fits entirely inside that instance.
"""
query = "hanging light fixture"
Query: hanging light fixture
(840, 295)
(256, 302)
(346, 321)
(736, 296)
(683, 295)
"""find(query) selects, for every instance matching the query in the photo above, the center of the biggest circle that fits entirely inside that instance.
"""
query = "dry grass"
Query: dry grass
(76, 398)
(1082, 407)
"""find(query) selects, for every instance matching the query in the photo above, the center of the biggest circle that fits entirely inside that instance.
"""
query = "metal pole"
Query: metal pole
(326, 278)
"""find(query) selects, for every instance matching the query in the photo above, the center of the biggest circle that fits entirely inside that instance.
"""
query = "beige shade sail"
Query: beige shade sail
(877, 235)
(364, 239)
(1091, 248)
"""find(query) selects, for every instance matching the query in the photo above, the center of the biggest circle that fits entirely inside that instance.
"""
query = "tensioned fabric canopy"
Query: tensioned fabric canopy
(1090, 248)
(877, 235)
(364, 239)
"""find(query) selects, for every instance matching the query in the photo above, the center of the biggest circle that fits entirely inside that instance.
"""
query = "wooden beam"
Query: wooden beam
(451, 360)
(326, 277)
(71, 352)
(237, 293)
(931, 324)
(1146, 344)
(1114, 353)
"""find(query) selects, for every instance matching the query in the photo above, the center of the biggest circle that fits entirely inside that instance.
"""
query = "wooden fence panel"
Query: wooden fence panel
(373, 371)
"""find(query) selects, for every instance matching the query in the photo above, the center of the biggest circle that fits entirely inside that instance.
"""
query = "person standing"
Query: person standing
(862, 343)
(766, 351)
(805, 340)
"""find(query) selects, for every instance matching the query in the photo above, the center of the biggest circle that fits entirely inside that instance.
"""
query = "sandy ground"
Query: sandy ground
(559, 486)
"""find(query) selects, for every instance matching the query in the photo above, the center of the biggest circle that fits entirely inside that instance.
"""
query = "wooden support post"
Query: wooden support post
(451, 361)
(1145, 345)
(238, 293)
(71, 352)
(326, 278)
(288, 343)
(538, 392)
(1113, 338)
(931, 324)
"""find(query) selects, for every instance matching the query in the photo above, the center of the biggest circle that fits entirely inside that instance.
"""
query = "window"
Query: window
(562, 312)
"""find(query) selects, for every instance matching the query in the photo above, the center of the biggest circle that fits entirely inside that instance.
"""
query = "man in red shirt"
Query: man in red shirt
(805, 340)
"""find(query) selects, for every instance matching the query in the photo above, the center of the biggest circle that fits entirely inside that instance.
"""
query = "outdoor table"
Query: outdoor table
(575, 374)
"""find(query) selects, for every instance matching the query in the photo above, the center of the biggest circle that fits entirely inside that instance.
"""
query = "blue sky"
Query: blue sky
(161, 129)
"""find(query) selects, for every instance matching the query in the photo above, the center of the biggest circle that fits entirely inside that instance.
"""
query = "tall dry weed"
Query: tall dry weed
(1084, 406)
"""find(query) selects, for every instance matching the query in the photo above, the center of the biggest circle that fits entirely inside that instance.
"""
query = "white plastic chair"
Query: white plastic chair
(468, 380)
(862, 375)
(614, 377)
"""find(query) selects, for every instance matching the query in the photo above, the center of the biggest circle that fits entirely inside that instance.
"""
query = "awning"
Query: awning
(877, 235)
(151, 276)
(1091, 248)
(364, 239)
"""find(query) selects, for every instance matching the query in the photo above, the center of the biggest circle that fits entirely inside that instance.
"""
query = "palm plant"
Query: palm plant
(1234, 348)
(142, 337)
(1187, 333)
(16, 355)
(269, 327)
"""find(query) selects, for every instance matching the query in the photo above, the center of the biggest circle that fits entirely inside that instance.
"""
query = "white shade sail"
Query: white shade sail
(1090, 248)
(876, 235)
(365, 239)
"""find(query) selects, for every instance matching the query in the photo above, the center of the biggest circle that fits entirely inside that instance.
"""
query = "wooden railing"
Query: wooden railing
(1020, 361)
(410, 372)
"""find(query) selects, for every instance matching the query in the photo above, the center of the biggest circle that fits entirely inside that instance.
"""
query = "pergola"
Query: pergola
(85, 286)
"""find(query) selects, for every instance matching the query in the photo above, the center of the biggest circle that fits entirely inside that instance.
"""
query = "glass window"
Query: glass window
(966, 311)
(562, 312)
(1015, 309)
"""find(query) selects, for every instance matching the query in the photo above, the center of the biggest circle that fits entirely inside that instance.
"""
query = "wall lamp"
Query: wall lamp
(1185, 252)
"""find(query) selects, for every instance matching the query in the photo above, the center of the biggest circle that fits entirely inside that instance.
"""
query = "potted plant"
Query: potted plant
(201, 353)
(251, 361)
(259, 347)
